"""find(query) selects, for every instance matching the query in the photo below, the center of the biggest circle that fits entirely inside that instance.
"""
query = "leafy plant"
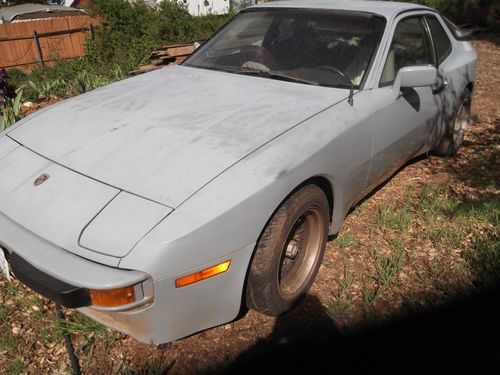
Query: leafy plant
(47, 90)
(85, 81)
(10, 102)
(134, 29)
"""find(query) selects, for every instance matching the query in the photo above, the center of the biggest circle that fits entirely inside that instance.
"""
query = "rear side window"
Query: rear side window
(441, 40)
(410, 46)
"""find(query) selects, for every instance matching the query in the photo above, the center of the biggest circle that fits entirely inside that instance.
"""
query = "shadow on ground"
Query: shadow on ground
(461, 335)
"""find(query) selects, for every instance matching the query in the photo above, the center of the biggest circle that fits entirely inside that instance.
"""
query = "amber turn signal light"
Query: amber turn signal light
(202, 275)
(113, 297)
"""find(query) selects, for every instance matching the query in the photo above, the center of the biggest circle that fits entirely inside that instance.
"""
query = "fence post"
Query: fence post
(37, 46)
(91, 30)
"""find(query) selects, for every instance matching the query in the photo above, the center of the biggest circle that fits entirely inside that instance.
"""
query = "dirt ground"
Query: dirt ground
(395, 286)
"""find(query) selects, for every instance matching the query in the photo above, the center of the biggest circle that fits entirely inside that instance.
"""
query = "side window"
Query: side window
(441, 40)
(410, 46)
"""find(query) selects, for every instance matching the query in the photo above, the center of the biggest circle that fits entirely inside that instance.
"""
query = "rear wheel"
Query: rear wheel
(455, 131)
(289, 253)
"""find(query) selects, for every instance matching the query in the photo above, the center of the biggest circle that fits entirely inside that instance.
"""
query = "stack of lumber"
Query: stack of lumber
(166, 55)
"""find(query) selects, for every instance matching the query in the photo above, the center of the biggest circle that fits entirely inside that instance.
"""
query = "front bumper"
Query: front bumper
(55, 272)
(58, 291)
(174, 313)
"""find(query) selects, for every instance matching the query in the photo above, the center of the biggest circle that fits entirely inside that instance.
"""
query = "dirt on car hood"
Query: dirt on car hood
(166, 134)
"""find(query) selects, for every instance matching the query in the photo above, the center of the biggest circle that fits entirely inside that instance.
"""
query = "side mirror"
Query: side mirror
(415, 76)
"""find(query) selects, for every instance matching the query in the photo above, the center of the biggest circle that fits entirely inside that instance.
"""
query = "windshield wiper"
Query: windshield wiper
(275, 75)
(284, 77)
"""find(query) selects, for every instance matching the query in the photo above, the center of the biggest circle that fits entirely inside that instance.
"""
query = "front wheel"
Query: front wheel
(289, 253)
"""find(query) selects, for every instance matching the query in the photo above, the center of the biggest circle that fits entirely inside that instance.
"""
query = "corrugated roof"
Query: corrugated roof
(8, 14)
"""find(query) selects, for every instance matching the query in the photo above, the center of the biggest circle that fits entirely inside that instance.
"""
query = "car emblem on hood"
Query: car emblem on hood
(41, 179)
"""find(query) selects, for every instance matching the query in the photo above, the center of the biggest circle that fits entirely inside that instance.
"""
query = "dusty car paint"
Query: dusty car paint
(146, 135)
(203, 188)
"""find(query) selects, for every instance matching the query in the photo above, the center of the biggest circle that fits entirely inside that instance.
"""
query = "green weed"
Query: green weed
(387, 267)
(7, 341)
(4, 313)
(390, 217)
(484, 260)
(16, 367)
(346, 240)
(79, 323)
(341, 304)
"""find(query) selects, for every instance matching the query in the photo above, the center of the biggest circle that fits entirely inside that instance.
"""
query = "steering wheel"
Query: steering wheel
(257, 54)
(346, 79)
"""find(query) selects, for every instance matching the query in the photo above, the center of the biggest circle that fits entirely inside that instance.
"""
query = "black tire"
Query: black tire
(289, 253)
(455, 129)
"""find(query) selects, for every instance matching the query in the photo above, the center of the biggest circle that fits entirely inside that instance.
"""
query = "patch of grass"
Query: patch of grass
(409, 193)
(445, 234)
(482, 210)
(341, 304)
(369, 295)
(483, 164)
(11, 290)
(372, 315)
(46, 324)
(453, 236)
(439, 279)
(4, 313)
(7, 341)
(484, 260)
(16, 367)
(391, 217)
(339, 309)
(370, 312)
(396, 242)
(154, 367)
(346, 240)
(387, 267)
(360, 208)
(79, 323)
(29, 303)
(51, 327)
(433, 201)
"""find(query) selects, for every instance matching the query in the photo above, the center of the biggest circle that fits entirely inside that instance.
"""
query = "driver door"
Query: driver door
(402, 122)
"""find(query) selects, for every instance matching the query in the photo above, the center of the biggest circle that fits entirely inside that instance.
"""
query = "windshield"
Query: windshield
(322, 47)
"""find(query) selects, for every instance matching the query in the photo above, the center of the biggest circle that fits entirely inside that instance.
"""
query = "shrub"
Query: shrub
(10, 102)
(483, 13)
(134, 29)
(131, 31)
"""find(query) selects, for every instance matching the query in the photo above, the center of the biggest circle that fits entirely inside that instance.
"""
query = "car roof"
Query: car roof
(384, 8)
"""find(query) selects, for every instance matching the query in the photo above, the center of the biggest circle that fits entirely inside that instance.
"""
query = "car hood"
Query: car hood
(166, 134)
(68, 210)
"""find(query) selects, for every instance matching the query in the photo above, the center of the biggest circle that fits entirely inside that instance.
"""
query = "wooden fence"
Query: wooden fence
(23, 44)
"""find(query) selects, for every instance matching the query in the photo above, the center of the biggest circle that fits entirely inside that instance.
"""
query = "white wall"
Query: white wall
(202, 7)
